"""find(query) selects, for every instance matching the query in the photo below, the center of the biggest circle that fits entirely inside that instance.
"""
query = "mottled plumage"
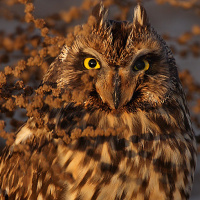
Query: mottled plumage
(126, 134)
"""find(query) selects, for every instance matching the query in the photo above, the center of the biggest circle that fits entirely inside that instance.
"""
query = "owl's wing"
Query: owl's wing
(29, 171)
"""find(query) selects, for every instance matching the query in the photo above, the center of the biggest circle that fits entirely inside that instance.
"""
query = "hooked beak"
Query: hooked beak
(115, 87)
(116, 93)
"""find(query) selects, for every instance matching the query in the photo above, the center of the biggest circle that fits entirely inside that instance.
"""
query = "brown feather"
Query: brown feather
(119, 133)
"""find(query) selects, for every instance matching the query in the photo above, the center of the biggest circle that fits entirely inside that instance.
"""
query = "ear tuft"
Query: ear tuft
(100, 13)
(140, 16)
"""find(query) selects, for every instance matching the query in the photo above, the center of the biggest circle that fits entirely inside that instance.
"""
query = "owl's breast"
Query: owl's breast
(113, 168)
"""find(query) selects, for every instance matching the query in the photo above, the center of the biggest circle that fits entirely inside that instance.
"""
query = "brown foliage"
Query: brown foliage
(19, 82)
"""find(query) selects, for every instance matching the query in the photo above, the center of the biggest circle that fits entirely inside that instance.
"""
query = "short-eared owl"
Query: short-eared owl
(124, 130)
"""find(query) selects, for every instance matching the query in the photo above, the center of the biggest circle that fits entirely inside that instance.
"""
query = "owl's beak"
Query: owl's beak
(115, 88)
(116, 94)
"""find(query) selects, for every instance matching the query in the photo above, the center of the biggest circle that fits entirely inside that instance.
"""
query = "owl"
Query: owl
(123, 129)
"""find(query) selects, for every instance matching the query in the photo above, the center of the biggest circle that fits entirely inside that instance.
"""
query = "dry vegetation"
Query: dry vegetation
(36, 43)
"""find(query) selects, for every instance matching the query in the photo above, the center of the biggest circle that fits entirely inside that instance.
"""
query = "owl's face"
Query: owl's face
(118, 65)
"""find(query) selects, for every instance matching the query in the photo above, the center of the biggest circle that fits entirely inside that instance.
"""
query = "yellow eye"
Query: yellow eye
(141, 65)
(91, 63)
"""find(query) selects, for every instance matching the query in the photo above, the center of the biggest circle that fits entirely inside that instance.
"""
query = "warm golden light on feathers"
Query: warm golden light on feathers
(120, 130)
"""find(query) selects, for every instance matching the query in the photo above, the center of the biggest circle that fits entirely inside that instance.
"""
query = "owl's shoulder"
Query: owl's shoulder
(31, 162)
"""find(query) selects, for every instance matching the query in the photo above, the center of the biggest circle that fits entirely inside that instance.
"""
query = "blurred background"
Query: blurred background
(33, 32)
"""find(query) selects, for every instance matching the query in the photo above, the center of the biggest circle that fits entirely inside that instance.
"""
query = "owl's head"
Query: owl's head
(117, 65)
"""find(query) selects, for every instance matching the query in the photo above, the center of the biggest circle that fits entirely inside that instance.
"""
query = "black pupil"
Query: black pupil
(92, 63)
(140, 64)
